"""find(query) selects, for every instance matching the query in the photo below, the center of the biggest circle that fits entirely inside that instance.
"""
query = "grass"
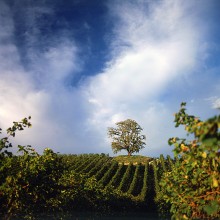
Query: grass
(135, 159)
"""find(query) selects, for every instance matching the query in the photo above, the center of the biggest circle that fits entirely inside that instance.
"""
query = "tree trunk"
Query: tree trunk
(129, 153)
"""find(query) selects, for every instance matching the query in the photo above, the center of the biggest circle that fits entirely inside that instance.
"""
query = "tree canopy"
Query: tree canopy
(127, 136)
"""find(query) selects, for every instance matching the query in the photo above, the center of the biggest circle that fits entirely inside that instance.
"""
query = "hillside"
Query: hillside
(135, 159)
(134, 178)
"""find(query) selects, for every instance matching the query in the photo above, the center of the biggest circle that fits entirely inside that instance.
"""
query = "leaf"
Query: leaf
(209, 141)
(214, 182)
(204, 154)
(212, 208)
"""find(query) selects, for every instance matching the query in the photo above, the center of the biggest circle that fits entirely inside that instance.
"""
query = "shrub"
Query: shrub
(192, 188)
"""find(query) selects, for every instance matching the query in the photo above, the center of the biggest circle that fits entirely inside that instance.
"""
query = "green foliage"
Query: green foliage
(127, 137)
(115, 181)
(4, 142)
(98, 166)
(192, 188)
(103, 170)
(170, 162)
(109, 174)
(156, 178)
(80, 192)
(162, 162)
(31, 183)
(127, 178)
(134, 182)
(143, 193)
(93, 163)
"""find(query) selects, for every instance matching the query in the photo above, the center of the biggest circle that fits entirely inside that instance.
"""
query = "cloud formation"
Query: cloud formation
(155, 46)
(40, 89)
(151, 60)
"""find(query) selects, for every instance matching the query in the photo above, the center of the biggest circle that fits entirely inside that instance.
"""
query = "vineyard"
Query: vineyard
(51, 183)
(136, 181)
(186, 187)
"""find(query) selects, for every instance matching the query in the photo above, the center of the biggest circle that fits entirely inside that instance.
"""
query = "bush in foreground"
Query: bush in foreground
(192, 188)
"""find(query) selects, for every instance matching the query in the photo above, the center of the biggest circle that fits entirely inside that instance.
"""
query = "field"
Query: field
(186, 187)
(135, 178)
(62, 184)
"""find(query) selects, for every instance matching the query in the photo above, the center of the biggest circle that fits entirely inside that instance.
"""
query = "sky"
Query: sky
(79, 66)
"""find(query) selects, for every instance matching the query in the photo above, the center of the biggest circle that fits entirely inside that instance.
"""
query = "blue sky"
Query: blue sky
(79, 66)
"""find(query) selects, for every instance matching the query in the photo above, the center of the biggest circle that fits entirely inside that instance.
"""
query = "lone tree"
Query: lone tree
(127, 137)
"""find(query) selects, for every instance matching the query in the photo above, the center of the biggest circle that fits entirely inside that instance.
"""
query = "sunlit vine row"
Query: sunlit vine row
(109, 174)
(133, 185)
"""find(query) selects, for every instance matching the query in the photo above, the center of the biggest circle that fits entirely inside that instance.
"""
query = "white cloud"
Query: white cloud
(39, 91)
(52, 67)
(215, 101)
(162, 45)
(216, 104)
